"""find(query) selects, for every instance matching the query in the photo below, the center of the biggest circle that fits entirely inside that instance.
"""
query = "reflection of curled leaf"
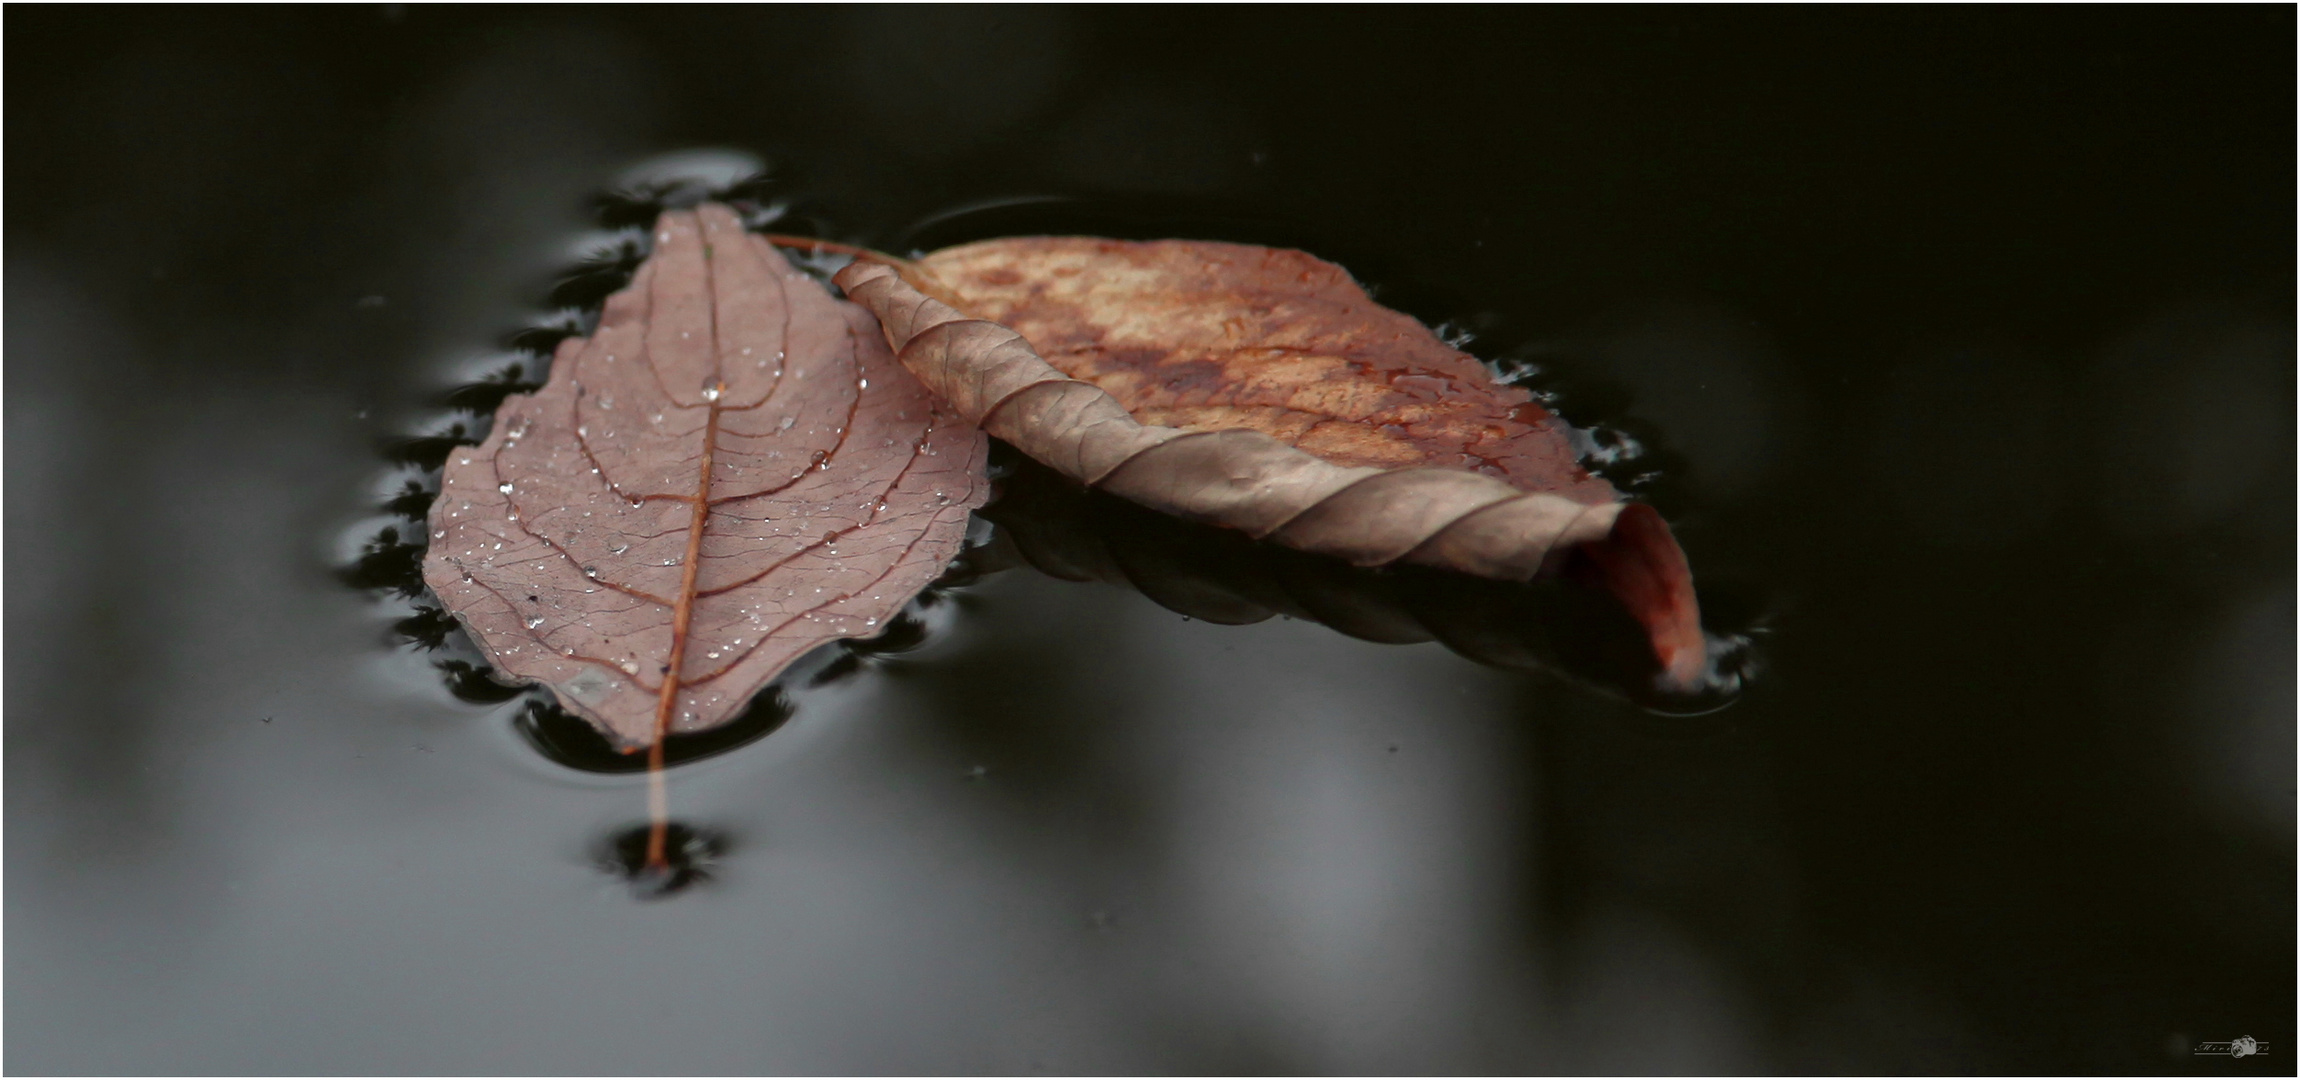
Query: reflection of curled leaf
(1245, 479)
(1571, 625)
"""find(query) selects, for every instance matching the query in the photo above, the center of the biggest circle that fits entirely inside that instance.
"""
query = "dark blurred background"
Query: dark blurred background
(1962, 339)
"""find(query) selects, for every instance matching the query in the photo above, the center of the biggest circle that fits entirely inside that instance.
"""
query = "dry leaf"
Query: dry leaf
(1309, 414)
(729, 472)
(1206, 336)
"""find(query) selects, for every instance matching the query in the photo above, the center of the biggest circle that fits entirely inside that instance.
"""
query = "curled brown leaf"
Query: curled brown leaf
(1438, 479)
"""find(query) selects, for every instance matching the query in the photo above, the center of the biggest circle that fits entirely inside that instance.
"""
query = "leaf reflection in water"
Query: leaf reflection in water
(569, 740)
(1567, 625)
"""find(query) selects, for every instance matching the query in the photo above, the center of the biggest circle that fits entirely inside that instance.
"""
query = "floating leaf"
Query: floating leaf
(1307, 414)
(729, 472)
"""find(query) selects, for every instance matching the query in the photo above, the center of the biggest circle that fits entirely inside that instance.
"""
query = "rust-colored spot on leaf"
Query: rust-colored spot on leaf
(1208, 336)
(731, 471)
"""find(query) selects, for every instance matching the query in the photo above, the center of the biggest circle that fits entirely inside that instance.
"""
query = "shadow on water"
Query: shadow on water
(570, 740)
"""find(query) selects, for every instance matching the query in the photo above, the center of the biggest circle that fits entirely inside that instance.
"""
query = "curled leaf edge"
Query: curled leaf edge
(1450, 519)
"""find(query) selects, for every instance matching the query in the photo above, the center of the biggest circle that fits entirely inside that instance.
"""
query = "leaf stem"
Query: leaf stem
(813, 244)
(682, 615)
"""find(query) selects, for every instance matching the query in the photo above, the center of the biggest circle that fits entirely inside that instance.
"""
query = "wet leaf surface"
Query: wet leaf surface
(730, 471)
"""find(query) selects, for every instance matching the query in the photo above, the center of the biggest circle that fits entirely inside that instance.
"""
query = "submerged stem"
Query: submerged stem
(658, 807)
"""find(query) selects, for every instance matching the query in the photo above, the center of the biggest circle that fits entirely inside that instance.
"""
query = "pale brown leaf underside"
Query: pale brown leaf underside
(731, 471)
(1244, 478)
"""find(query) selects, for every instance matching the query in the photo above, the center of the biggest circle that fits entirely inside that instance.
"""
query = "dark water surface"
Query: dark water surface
(1961, 341)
